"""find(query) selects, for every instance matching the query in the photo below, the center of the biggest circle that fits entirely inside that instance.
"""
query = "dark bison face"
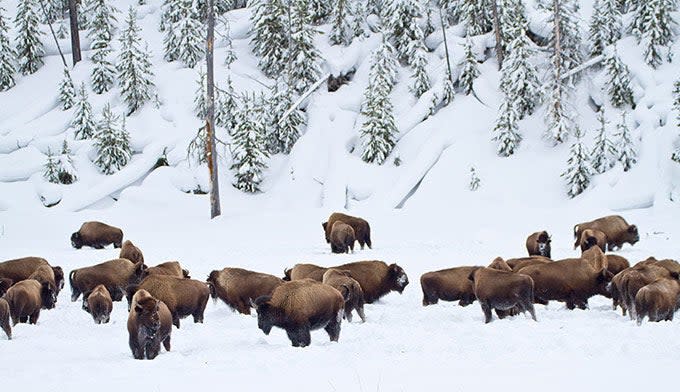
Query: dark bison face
(325, 231)
(604, 287)
(399, 278)
(265, 314)
(48, 294)
(589, 243)
(633, 235)
(76, 241)
(544, 244)
(211, 280)
(58, 278)
(148, 320)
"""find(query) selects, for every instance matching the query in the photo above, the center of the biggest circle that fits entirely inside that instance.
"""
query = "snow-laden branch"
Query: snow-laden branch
(309, 91)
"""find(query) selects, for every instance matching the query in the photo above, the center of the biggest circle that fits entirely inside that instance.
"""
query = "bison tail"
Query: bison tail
(345, 292)
(213, 293)
(286, 274)
(368, 236)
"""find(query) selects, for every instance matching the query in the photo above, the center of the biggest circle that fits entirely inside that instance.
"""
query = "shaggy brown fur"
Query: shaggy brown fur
(638, 277)
(538, 244)
(616, 263)
(26, 298)
(183, 297)
(171, 268)
(299, 307)
(519, 263)
(617, 230)
(114, 274)
(591, 237)
(350, 290)
(131, 252)
(238, 288)
(658, 300)
(149, 323)
(502, 291)
(97, 235)
(342, 238)
(451, 284)
(5, 284)
(302, 271)
(572, 280)
(499, 264)
(362, 230)
(376, 278)
(45, 275)
(99, 304)
(20, 269)
(4, 318)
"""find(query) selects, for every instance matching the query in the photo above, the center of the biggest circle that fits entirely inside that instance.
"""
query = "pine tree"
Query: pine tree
(51, 168)
(101, 29)
(620, 93)
(7, 55)
(200, 96)
(30, 49)
(429, 23)
(173, 12)
(448, 92)
(519, 78)
(506, 129)
(230, 56)
(625, 147)
(112, 142)
(569, 55)
(248, 141)
(405, 29)
(270, 38)
(341, 31)
(653, 25)
(283, 136)
(227, 107)
(134, 66)
(469, 72)
(189, 30)
(379, 129)
(83, 8)
(605, 26)
(475, 182)
(67, 92)
(103, 71)
(319, 11)
(66, 171)
(359, 19)
(676, 106)
(604, 153)
(579, 171)
(304, 57)
(421, 81)
(512, 20)
(83, 121)
(102, 22)
(63, 31)
(476, 14)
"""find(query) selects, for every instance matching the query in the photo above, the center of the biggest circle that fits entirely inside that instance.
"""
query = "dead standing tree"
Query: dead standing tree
(211, 154)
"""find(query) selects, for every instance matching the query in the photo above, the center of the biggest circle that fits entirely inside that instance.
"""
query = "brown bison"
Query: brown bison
(658, 300)
(362, 230)
(238, 288)
(20, 269)
(4, 318)
(131, 252)
(98, 303)
(451, 284)
(521, 262)
(636, 278)
(183, 297)
(116, 275)
(97, 235)
(149, 323)
(591, 237)
(299, 307)
(572, 280)
(170, 268)
(504, 291)
(26, 298)
(342, 238)
(538, 244)
(5, 284)
(301, 271)
(350, 290)
(615, 228)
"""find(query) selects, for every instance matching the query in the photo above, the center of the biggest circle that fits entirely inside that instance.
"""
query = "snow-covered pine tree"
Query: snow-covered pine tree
(469, 71)
(304, 57)
(618, 80)
(476, 14)
(429, 22)
(506, 130)
(63, 30)
(604, 152)
(30, 49)
(230, 56)
(200, 96)
(134, 66)
(83, 122)
(66, 171)
(341, 30)
(83, 8)
(579, 170)
(170, 18)
(101, 29)
(112, 142)
(512, 19)
(519, 77)
(102, 21)
(103, 71)
(653, 25)
(227, 107)
(475, 182)
(281, 137)
(625, 147)
(270, 38)
(676, 106)
(51, 168)
(248, 152)
(67, 91)
(605, 26)
(405, 29)
(189, 32)
(358, 18)
(421, 81)
(319, 11)
(7, 54)
(53, 10)
(448, 92)
(379, 129)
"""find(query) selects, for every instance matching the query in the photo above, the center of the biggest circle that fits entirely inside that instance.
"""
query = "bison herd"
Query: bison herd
(310, 297)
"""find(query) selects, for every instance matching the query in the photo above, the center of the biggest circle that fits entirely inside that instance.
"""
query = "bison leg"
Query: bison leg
(137, 350)
(166, 343)
(348, 313)
(153, 348)
(361, 243)
(466, 300)
(486, 308)
(117, 245)
(333, 328)
(98, 246)
(198, 316)
(429, 298)
(360, 310)
(299, 337)
(75, 293)
(175, 320)
(34, 317)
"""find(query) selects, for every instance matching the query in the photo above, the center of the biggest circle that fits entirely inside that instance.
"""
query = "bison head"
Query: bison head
(398, 278)
(5, 284)
(48, 295)
(589, 243)
(544, 244)
(4, 318)
(212, 279)
(76, 240)
(266, 313)
(325, 231)
(58, 278)
(148, 320)
(632, 235)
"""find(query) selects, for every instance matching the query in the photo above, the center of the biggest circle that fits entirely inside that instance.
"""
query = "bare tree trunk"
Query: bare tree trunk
(75, 36)
(210, 117)
(56, 41)
(497, 30)
(446, 45)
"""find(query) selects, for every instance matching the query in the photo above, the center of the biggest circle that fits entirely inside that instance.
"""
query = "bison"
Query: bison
(614, 227)
(5, 284)
(299, 307)
(97, 235)
(131, 252)
(26, 298)
(20, 269)
(362, 230)
(149, 323)
(591, 237)
(451, 284)
(301, 271)
(519, 263)
(238, 288)
(99, 304)
(636, 278)
(350, 289)
(658, 300)
(116, 275)
(538, 244)
(502, 290)
(342, 238)
(4, 318)
(170, 268)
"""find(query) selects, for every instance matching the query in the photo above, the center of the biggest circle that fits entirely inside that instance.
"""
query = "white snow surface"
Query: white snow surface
(422, 216)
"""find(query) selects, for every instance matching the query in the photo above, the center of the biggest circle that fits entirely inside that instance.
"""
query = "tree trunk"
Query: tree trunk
(497, 30)
(446, 46)
(210, 116)
(75, 36)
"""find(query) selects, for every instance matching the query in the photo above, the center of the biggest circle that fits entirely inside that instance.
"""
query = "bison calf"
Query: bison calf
(97, 235)
(451, 284)
(149, 323)
(342, 238)
(131, 252)
(238, 288)
(4, 318)
(99, 304)
(350, 290)
(538, 244)
(26, 298)
(502, 291)
(362, 230)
